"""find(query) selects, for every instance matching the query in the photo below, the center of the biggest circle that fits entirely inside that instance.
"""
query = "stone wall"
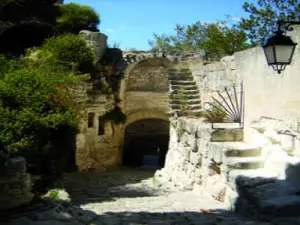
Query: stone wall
(251, 170)
(266, 92)
(146, 86)
(98, 143)
(196, 159)
(15, 184)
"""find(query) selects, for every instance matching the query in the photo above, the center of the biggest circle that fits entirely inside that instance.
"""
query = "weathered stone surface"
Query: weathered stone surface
(15, 184)
(97, 41)
(227, 135)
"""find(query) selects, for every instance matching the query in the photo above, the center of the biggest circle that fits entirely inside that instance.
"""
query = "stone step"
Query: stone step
(184, 87)
(179, 73)
(265, 175)
(180, 112)
(182, 82)
(243, 150)
(244, 162)
(193, 92)
(185, 107)
(181, 78)
(188, 101)
(186, 96)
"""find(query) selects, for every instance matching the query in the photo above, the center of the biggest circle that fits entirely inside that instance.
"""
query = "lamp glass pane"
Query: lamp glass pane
(269, 53)
(284, 53)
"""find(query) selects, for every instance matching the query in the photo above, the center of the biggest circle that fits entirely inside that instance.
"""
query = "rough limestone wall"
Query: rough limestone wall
(194, 162)
(146, 86)
(266, 92)
(94, 151)
(214, 77)
(15, 184)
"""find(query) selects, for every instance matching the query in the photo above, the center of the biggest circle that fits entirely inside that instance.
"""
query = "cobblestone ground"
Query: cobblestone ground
(129, 197)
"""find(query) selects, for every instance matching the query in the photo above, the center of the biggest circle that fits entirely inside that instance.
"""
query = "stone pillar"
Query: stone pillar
(15, 184)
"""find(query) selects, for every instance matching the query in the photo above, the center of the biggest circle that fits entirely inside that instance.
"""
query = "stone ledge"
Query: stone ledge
(227, 135)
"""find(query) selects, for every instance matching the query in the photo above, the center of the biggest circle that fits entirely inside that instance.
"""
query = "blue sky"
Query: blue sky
(133, 22)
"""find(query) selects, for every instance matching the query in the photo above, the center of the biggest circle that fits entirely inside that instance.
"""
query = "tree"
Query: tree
(216, 38)
(28, 10)
(68, 51)
(74, 18)
(263, 17)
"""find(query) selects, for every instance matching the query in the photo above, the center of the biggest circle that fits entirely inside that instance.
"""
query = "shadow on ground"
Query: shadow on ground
(261, 197)
(70, 215)
(175, 218)
(91, 187)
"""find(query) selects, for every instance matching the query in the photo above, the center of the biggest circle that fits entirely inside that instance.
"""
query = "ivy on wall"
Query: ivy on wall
(116, 115)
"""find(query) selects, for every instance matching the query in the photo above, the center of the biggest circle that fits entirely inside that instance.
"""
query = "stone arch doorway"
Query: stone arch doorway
(146, 143)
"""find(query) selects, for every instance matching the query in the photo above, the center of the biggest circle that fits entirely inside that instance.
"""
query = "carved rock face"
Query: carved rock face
(97, 41)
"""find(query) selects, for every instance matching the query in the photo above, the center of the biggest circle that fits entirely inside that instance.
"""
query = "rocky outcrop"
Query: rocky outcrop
(15, 184)
(97, 41)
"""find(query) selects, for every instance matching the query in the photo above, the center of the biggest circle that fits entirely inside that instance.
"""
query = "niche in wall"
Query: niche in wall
(101, 126)
(91, 117)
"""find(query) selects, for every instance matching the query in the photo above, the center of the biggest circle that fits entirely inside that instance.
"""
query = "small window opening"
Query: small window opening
(91, 119)
(101, 125)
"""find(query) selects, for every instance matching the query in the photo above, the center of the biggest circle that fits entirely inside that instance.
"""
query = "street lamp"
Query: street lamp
(279, 49)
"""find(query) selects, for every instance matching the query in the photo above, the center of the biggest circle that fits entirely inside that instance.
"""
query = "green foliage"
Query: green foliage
(216, 38)
(69, 52)
(28, 10)
(32, 108)
(53, 194)
(74, 18)
(215, 115)
(114, 81)
(180, 131)
(7, 65)
(115, 115)
(263, 16)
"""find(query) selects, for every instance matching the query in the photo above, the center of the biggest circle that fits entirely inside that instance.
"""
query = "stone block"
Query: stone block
(227, 135)
(97, 41)
(272, 135)
(296, 151)
(216, 188)
(287, 142)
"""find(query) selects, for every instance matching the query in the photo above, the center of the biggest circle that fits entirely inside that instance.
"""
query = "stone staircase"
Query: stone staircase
(259, 190)
(184, 97)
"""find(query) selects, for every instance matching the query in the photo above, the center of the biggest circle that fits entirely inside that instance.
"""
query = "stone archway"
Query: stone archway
(145, 95)
(146, 142)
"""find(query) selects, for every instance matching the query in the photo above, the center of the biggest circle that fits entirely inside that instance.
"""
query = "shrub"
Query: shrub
(37, 118)
(74, 18)
(7, 65)
(53, 194)
(215, 115)
(68, 52)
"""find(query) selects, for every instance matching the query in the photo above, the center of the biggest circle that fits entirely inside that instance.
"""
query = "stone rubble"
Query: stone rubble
(129, 197)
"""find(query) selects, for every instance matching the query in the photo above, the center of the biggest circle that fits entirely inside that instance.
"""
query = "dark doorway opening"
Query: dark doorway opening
(146, 143)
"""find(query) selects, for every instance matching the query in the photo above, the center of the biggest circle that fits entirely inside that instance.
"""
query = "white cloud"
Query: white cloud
(109, 30)
(236, 19)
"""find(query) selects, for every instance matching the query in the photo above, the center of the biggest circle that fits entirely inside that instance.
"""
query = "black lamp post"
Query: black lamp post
(279, 49)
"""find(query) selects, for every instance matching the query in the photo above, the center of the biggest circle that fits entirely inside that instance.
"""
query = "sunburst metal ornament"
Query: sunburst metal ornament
(231, 103)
